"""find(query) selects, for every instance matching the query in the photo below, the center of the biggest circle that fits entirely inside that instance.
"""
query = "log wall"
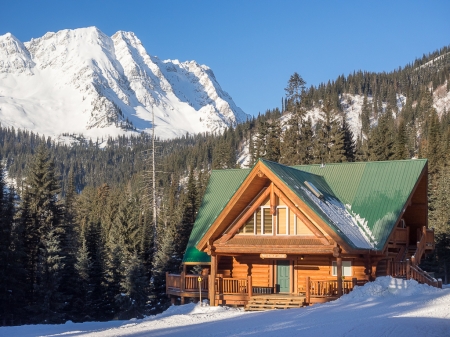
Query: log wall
(263, 271)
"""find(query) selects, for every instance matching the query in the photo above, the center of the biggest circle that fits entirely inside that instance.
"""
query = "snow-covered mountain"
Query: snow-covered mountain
(352, 107)
(84, 82)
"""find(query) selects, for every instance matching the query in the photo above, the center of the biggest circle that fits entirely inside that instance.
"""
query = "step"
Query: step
(269, 307)
(300, 299)
(275, 302)
(285, 299)
(257, 309)
(262, 303)
(293, 304)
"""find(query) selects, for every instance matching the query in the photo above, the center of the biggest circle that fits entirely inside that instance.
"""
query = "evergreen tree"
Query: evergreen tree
(349, 143)
(296, 86)
(189, 212)
(251, 150)
(401, 142)
(11, 270)
(381, 142)
(41, 216)
(365, 117)
(273, 141)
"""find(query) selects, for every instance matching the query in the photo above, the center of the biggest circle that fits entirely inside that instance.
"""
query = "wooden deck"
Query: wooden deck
(233, 291)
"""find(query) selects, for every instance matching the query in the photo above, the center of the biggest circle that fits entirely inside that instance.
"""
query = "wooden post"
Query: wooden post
(308, 290)
(250, 286)
(291, 277)
(339, 275)
(212, 283)
(275, 276)
(354, 282)
(182, 285)
(439, 283)
(167, 284)
(273, 205)
(182, 281)
(407, 238)
(408, 269)
(368, 270)
(389, 268)
(271, 281)
(172, 300)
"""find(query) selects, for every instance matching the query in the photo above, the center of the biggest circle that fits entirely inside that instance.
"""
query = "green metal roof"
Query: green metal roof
(221, 187)
(376, 191)
(351, 191)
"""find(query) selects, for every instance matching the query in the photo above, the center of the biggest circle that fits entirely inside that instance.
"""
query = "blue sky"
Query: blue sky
(254, 46)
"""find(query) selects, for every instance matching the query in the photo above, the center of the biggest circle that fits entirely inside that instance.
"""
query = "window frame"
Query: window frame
(262, 220)
(334, 268)
(287, 221)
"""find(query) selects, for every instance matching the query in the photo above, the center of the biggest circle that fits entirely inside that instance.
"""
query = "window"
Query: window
(258, 221)
(346, 268)
(264, 223)
(292, 223)
(282, 221)
(267, 221)
(249, 226)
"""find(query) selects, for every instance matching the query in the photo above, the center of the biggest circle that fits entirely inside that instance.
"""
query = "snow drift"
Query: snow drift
(387, 306)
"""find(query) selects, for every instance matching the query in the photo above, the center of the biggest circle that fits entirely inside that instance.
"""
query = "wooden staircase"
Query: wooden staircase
(271, 302)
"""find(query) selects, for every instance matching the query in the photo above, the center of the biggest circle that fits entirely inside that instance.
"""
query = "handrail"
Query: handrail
(406, 269)
(228, 286)
(421, 246)
(401, 235)
(422, 277)
(330, 287)
(191, 283)
(401, 254)
(173, 281)
(398, 268)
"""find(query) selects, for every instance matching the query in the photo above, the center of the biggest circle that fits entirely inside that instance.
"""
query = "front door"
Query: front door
(283, 282)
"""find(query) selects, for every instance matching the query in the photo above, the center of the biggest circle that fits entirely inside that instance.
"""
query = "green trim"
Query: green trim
(222, 185)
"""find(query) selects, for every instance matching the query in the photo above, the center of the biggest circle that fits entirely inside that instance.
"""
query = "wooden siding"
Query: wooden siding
(416, 212)
(320, 268)
(263, 272)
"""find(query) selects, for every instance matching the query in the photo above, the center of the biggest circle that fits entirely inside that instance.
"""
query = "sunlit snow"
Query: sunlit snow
(386, 307)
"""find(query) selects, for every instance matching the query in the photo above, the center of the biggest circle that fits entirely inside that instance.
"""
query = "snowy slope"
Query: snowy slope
(84, 82)
(386, 307)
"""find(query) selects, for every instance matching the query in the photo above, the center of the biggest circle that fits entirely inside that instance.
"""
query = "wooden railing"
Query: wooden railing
(421, 276)
(186, 282)
(228, 286)
(426, 242)
(192, 284)
(173, 281)
(398, 269)
(401, 236)
(329, 288)
(409, 271)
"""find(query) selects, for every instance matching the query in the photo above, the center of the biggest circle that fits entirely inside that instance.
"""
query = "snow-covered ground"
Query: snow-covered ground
(386, 307)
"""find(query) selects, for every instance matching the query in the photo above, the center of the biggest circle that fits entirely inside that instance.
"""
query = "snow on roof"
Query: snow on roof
(350, 225)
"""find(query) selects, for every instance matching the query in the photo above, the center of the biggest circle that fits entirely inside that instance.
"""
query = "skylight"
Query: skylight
(314, 189)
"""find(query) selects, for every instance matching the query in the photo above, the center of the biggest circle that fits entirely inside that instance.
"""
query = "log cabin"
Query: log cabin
(305, 234)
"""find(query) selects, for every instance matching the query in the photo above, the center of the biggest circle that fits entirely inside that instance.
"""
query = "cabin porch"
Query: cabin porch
(234, 291)
(287, 280)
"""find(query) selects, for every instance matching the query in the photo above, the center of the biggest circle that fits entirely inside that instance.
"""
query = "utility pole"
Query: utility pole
(154, 179)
